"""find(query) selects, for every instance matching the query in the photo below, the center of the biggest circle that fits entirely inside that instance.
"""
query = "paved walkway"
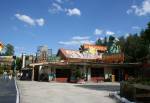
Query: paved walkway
(44, 92)
(7, 91)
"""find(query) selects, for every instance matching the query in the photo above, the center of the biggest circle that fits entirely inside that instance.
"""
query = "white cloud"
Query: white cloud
(56, 8)
(29, 20)
(73, 12)
(129, 11)
(25, 19)
(109, 33)
(40, 21)
(142, 10)
(136, 27)
(77, 40)
(101, 38)
(98, 32)
(68, 42)
(126, 35)
(80, 37)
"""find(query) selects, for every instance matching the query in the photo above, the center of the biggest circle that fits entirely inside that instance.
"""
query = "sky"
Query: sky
(27, 24)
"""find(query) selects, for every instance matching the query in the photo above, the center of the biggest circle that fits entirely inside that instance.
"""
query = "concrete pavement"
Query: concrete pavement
(7, 91)
(44, 92)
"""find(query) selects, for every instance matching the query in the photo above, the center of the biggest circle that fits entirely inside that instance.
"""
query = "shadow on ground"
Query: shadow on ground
(111, 88)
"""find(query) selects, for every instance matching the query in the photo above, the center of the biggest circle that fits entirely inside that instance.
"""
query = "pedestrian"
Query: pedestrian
(10, 76)
(5, 75)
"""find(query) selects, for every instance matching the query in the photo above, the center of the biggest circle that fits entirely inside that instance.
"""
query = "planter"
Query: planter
(81, 81)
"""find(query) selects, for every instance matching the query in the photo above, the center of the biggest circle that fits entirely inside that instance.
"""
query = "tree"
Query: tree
(145, 36)
(105, 41)
(99, 42)
(18, 63)
(122, 42)
(134, 48)
(9, 50)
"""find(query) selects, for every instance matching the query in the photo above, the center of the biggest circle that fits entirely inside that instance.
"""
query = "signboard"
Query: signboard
(92, 51)
(6, 58)
(1, 46)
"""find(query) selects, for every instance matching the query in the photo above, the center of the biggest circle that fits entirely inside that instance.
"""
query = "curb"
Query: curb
(120, 99)
(17, 90)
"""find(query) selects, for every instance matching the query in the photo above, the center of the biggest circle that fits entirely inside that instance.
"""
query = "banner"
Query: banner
(6, 58)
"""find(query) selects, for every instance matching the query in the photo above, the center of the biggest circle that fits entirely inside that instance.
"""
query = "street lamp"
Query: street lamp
(14, 57)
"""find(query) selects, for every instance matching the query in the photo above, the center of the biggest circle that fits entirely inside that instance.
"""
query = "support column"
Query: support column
(88, 73)
(33, 73)
(54, 73)
(85, 72)
(40, 68)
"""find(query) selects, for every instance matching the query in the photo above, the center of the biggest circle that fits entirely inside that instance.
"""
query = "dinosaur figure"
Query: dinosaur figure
(113, 48)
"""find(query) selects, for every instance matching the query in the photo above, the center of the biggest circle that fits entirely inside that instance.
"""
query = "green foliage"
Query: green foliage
(9, 50)
(18, 63)
(79, 74)
(99, 42)
(136, 47)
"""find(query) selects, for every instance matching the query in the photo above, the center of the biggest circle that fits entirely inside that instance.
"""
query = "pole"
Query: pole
(14, 57)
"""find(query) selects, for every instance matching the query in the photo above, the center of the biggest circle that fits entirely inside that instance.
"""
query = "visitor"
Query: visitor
(5, 75)
(10, 76)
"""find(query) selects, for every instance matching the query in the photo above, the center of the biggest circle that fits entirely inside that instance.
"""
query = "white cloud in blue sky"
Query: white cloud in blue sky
(30, 21)
(80, 37)
(108, 32)
(142, 10)
(57, 7)
(40, 21)
(126, 35)
(98, 31)
(136, 27)
(95, 18)
(73, 12)
(77, 40)
(25, 19)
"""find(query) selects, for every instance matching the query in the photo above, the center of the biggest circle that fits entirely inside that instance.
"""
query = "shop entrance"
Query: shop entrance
(63, 75)
(97, 74)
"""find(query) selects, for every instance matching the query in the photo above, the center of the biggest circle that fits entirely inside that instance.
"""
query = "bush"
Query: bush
(78, 74)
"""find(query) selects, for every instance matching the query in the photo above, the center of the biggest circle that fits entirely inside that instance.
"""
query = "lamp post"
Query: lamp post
(14, 57)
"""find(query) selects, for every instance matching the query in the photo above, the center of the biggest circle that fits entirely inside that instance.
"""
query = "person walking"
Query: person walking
(10, 76)
(5, 75)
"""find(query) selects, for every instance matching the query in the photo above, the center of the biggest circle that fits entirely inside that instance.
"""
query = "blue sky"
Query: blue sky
(28, 24)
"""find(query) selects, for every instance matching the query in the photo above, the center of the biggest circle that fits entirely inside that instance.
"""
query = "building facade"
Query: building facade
(90, 60)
